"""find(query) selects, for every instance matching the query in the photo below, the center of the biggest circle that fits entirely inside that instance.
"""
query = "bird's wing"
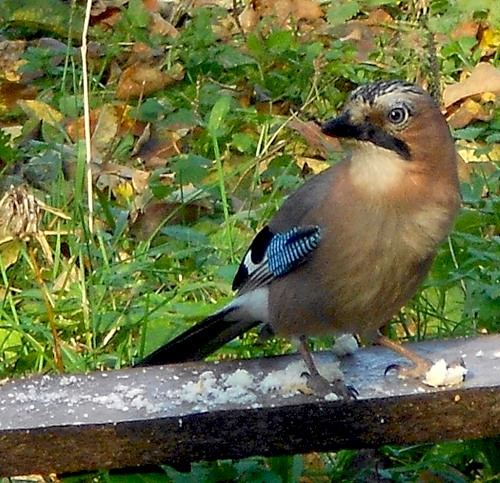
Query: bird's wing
(272, 255)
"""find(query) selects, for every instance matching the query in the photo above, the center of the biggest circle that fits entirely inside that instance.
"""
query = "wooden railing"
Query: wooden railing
(183, 413)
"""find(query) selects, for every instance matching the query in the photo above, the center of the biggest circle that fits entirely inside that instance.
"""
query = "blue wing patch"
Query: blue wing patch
(287, 250)
(274, 255)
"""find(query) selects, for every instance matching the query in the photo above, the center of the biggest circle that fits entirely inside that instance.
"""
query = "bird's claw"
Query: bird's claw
(417, 371)
(429, 373)
(322, 387)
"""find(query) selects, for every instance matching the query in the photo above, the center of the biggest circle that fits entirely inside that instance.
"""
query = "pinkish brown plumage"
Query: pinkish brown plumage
(349, 248)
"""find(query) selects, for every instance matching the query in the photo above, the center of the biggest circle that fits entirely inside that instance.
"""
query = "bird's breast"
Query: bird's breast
(369, 263)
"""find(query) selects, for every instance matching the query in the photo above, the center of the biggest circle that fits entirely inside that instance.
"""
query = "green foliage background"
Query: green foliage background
(131, 294)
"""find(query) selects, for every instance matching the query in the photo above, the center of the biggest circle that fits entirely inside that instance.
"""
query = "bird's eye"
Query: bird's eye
(398, 115)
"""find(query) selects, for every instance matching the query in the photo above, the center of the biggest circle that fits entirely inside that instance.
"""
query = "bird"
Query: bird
(352, 245)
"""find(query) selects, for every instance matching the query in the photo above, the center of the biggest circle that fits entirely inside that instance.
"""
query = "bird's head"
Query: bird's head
(396, 129)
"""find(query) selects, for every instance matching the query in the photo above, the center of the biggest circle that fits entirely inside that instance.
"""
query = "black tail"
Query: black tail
(200, 340)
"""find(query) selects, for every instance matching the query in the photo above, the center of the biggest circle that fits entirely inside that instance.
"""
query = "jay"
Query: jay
(350, 247)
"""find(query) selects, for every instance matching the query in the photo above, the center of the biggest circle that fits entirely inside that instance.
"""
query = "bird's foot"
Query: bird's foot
(321, 386)
(417, 371)
(329, 389)
(432, 374)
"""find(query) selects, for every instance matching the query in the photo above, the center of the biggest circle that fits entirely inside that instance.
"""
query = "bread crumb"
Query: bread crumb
(345, 345)
(442, 375)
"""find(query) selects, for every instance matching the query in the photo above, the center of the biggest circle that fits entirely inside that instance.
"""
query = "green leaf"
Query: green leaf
(159, 189)
(190, 168)
(379, 3)
(7, 153)
(493, 138)
(279, 41)
(134, 475)
(244, 143)
(185, 234)
(482, 302)
(71, 105)
(137, 14)
(151, 110)
(471, 6)
(218, 113)
(184, 117)
(468, 133)
(231, 58)
(52, 16)
(467, 43)
(342, 13)
(255, 45)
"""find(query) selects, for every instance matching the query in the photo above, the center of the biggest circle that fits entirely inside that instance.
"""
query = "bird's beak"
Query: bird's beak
(341, 127)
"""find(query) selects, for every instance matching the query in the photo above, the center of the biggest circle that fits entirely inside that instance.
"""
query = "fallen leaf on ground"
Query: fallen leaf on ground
(162, 27)
(484, 78)
(311, 132)
(465, 29)
(468, 112)
(139, 80)
(490, 41)
(282, 10)
(467, 151)
(10, 59)
(41, 111)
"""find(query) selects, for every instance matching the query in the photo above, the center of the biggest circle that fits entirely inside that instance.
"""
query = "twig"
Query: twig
(86, 114)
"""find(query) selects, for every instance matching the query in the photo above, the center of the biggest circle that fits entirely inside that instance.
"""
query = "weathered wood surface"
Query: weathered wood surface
(178, 414)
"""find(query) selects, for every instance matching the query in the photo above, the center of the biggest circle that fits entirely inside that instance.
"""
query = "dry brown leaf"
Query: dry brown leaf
(120, 179)
(143, 54)
(282, 10)
(140, 180)
(99, 6)
(377, 18)
(465, 29)
(158, 213)
(360, 34)
(467, 150)
(115, 118)
(151, 5)
(9, 252)
(468, 112)
(162, 27)
(105, 130)
(467, 169)
(139, 80)
(75, 127)
(10, 59)
(161, 146)
(227, 4)
(249, 18)
(12, 92)
(41, 111)
(128, 124)
(69, 275)
(20, 217)
(484, 78)
(311, 165)
(106, 12)
(142, 139)
(311, 132)
(307, 10)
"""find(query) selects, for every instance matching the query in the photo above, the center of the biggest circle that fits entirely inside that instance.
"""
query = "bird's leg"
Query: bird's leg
(317, 382)
(422, 364)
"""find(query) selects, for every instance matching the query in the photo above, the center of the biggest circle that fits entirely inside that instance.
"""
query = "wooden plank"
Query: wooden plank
(189, 412)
